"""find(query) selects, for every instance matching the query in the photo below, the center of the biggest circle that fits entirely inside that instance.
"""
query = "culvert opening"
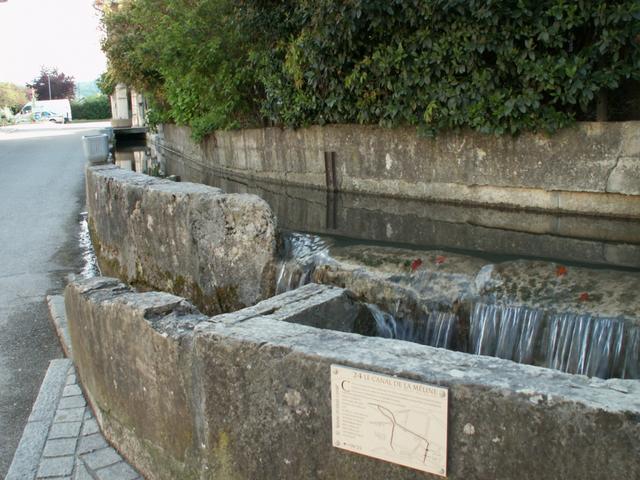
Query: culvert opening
(576, 343)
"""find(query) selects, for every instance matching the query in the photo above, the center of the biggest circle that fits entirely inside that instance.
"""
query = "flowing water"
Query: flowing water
(437, 329)
(90, 262)
(511, 333)
(579, 344)
(300, 255)
(585, 345)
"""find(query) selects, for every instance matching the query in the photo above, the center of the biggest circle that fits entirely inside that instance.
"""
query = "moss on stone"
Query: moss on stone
(224, 465)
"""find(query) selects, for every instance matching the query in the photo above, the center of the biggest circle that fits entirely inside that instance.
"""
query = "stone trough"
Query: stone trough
(246, 393)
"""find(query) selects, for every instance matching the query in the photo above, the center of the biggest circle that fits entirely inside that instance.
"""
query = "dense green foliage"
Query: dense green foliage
(97, 107)
(492, 65)
(12, 96)
(188, 55)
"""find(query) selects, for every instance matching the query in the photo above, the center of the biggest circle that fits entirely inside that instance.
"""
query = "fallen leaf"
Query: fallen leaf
(440, 259)
(584, 296)
(561, 271)
(415, 264)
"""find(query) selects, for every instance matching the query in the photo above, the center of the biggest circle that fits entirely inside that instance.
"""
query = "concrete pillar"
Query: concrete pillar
(121, 116)
(137, 109)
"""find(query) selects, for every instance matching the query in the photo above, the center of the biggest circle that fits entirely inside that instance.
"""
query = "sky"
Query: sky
(62, 34)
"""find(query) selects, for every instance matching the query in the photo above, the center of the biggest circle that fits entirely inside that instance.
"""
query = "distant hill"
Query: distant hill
(86, 89)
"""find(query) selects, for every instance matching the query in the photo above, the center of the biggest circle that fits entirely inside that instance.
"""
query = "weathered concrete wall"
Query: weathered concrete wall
(578, 238)
(592, 168)
(247, 395)
(218, 250)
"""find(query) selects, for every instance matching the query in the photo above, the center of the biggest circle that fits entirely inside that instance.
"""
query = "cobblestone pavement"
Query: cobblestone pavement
(62, 439)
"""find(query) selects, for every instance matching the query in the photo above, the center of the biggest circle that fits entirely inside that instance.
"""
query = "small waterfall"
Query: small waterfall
(586, 345)
(511, 333)
(301, 253)
(631, 367)
(90, 267)
(580, 344)
(436, 329)
(440, 329)
(386, 324)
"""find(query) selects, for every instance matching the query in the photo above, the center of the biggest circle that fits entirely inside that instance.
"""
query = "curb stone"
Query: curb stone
(62, 439)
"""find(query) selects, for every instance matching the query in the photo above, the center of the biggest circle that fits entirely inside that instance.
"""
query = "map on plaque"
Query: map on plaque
(390, 418)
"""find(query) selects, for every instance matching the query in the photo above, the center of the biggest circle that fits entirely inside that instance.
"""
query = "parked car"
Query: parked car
(48, 117)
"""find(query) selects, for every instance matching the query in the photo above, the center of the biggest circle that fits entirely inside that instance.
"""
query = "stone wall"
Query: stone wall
(577, 238)
(246, 395)
(592, 168)
(218, 250)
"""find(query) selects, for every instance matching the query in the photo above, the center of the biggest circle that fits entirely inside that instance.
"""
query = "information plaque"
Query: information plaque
(389, 418)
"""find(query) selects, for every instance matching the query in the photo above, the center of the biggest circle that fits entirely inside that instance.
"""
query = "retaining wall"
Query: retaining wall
(578, 238)
(592, 168)
(247, 395)
(214, 248)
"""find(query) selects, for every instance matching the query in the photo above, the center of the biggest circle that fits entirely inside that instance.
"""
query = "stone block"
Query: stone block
(101, 458)
(257, 401)
(69, 414)
(71, 391)
(218, 250)
(55, 467)
(60, 447)
(72, 402)
(118, 471)
(65, 430)
(625, 176)
(92, 442)
(90, 427)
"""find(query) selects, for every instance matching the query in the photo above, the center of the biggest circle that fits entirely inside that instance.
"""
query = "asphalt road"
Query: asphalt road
(41, 196)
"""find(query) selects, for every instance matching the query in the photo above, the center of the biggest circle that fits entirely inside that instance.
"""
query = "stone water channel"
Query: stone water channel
(555, 291)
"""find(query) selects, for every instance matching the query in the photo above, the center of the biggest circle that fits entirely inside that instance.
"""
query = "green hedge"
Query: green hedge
(97, 107)
(495, 66)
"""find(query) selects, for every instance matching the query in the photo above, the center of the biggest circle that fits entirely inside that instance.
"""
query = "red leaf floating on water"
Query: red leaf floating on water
(440, 259)
(584, 296)
(561, 271)
(415, 264)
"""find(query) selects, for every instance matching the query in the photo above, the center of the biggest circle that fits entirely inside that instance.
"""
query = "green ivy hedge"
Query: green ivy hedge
(500, 66)
(97, 107)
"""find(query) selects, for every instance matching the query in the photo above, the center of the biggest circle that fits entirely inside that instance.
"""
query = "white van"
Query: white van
(60, 107)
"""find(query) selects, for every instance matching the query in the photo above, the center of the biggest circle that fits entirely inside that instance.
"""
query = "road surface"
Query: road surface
(41, 196)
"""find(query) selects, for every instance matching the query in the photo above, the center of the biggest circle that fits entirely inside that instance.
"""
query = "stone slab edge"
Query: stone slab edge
(27, 456)
(59, 319)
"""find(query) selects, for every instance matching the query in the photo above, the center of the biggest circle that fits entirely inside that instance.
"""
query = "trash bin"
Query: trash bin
(96, 148)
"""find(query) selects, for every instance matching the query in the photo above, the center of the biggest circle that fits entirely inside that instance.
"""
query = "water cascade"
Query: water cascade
(300, 255)
(436, 329)
(580, 344)
(90, 262)
(586, 345)
(511, 333)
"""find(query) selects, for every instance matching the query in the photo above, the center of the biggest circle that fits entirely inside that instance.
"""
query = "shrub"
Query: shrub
(494, 66)
(97, 107)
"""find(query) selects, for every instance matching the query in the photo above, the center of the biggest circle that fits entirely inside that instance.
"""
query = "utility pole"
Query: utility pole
(49, 81)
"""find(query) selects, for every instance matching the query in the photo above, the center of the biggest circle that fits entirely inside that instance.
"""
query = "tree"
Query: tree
(12, 96)
(52, 85)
